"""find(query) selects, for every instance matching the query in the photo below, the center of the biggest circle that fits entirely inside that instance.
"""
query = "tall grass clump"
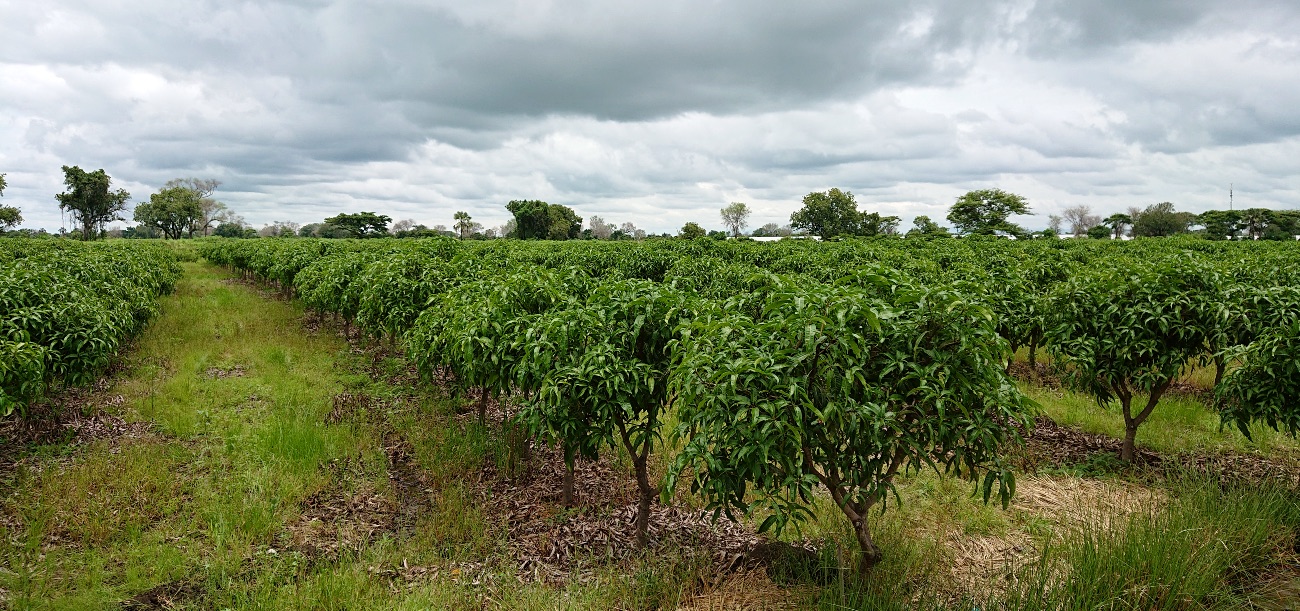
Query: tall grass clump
(1207, 547)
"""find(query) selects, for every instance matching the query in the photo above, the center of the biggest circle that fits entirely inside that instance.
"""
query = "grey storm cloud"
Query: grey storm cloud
(655, 113)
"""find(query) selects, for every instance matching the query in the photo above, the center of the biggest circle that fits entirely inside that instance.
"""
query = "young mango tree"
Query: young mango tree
(556, 415)
(1266, 388)
(844, 388)
(1120, 333)
(475, 329)
(329, 284)
(611, 388)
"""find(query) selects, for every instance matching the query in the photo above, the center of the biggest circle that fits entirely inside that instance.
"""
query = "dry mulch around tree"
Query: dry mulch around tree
(73, 417)
(551, 543)
(336, 519)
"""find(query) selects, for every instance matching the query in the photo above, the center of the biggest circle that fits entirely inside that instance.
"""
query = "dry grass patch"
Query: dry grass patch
(1044, 506)
(749, 589)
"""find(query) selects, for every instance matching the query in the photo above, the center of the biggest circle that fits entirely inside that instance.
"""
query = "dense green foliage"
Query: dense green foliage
(1133, 330)
(66, 307)
(1266, 388)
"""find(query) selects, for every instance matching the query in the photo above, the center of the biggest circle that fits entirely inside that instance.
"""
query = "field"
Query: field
(414, 424)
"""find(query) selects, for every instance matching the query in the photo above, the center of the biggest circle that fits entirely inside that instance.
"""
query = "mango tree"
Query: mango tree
(1129, 330)
(846, 388)
(329, 284)
(556, 415)
(610, 386)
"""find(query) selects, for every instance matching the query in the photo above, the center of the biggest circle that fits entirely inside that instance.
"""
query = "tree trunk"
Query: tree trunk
(870, 553)
(1127, 452)
(482, 407)
(647, 496)
(1220, 364)
(1131, 423)
(643, 517)
(1033, 357)
(568, 484)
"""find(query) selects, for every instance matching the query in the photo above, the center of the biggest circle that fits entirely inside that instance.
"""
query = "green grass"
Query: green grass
(232, 456)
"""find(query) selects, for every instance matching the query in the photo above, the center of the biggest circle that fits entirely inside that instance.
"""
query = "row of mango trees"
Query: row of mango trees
(794, 368)
(66, 307)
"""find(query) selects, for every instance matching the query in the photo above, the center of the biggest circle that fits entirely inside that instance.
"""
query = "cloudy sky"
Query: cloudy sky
(657, 113)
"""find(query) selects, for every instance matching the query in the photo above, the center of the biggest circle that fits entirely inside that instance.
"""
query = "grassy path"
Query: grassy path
(230, 394)
(229, 398)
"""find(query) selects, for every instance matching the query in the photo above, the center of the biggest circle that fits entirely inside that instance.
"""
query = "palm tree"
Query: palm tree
(464, 224)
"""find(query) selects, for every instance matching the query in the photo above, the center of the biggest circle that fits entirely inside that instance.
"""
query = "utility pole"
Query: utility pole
(1229, 197)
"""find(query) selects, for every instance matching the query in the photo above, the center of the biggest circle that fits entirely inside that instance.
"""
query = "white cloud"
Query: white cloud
(654, 113)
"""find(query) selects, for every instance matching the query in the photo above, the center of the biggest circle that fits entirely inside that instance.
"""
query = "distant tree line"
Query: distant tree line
(185, 208)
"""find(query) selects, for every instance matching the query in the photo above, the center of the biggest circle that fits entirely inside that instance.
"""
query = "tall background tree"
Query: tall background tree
(735, 217)
(1118, 224)
(212, 212)
(564, 223)
(1054, 223)
(1159, 220)
(827, 214)
(173, 211)
(10, 216)
(600, 230)
(924, 226)
(1081, 219)
(89, 200)
(281, 229)
(628, 231)
(1254, 221)
(464, 224)
(361, 224)
(873, 223)
(690, 231)
(538, 220)
(772, 230)
(986, 211)
(1220, 224)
